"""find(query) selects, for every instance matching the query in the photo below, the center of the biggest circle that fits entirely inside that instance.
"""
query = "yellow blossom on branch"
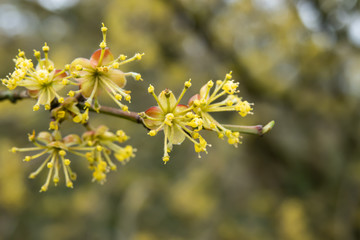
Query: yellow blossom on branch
(177, 121)
(101, 73)
(42, 82)
(103, 144)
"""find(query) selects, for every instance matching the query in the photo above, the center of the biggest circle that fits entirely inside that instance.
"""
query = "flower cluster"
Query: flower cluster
(186, 121)
(42, 82)
(204, 103)
(92, 146)
(101, 72)
(92, 77)
(102, 143)
(88, 79)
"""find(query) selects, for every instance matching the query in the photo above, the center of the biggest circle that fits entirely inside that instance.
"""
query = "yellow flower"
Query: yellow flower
(207, 102)
(56, 148)
(103, 143)
(177, 121)
(42, 82)
(68, 110)
(101, 73)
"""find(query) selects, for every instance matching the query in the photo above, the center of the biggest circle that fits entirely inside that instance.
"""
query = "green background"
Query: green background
(298, 61)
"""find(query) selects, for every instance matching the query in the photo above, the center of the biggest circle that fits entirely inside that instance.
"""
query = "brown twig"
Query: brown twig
(13, 96)
(134, 116)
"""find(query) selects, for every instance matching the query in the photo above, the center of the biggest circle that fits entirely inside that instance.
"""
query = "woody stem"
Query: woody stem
(13, 97)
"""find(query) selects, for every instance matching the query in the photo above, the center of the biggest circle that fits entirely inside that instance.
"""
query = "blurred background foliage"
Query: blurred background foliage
(297, 60)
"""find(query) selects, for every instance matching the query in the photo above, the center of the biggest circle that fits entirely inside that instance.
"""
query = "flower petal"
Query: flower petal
(117, 76)
(45, 137)
(45, 96)
(85, 63)
(203, 91)
(107, 58)
(87, 86)
(153, 112)
(193, 98)
(180, 108)
(176, 136)
(101, 130)
(71, 139)
(167, 100)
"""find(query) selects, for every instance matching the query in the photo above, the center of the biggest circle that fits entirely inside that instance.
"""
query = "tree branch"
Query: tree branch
(13, 96)
(131, 116)
(134, 116)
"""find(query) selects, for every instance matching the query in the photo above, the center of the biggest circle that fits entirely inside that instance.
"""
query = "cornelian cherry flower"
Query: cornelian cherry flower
(56, 148)
(42, 82)
(103, 143)
(206, 102)
(101, 73)
(177, 121)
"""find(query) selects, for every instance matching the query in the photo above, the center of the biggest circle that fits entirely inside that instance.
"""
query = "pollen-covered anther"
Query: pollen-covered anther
(36, 107)
(21, 53)
(151, 89)
(65, 82)
(168, 119)
(49, 165)
(27, 158)
(37, 54)
(46, 48)
(71, 93)
(210, 84)
(137, 76)
(187, 84)
(47, 106)
(166, 159)
(229, 103)
(103, 28)
(196, 103)
(220, 135)
(138, 56)
(67, 162)
(227, 133)
(122, 57)
(99, 148)
(196, 122)
(53, 125)
(203, 102)
(190, 115)
(102, 45)
(79, 67)
(122, 137)
(62, 153)
(118, 97)
(69, 184)
(60, 114)
(228, 76)
(87, 104)
(128, 98)
(115, 65)
(44, 189)
(243, 108)
(230, 87)
(152, 133)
